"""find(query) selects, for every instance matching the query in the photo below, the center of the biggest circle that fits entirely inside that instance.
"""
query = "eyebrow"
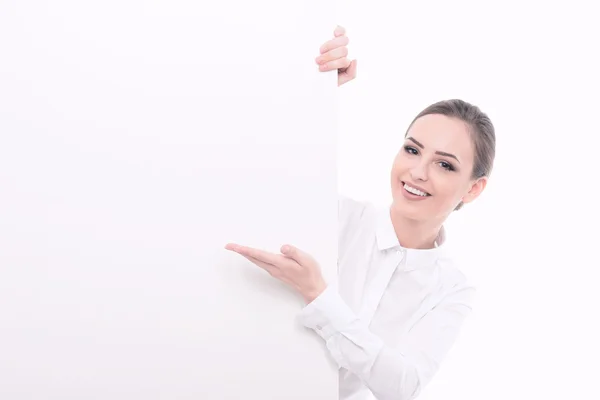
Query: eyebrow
(441, 153)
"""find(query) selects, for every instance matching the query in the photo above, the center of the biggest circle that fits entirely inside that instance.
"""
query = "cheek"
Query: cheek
(400, 164)
(449, 188)
(394, 170)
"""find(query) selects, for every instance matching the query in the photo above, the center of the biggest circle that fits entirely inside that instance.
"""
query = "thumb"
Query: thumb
(296, 254)
(351, 70)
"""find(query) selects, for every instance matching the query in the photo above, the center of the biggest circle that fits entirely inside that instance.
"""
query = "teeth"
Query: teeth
(414, 191)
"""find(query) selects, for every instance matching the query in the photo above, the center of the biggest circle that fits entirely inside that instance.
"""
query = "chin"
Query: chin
(406, 209)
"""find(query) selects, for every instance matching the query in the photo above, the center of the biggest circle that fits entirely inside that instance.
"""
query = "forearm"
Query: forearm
(389, 373)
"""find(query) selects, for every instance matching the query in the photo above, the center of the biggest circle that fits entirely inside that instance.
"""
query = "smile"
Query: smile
(415, 191)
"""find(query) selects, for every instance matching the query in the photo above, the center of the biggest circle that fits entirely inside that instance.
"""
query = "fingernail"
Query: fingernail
(285, 249)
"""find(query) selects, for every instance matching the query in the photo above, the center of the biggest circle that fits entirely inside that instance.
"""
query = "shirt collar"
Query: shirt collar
(415, 258)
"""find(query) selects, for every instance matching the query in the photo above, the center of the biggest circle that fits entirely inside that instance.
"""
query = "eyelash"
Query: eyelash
(448, 167)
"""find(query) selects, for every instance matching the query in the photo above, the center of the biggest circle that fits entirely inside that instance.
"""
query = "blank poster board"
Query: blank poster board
(137, 138)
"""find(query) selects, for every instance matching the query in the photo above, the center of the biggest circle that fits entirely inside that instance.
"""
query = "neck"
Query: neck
(414, 234)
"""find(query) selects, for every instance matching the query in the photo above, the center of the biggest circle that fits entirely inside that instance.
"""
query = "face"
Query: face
(432, 171)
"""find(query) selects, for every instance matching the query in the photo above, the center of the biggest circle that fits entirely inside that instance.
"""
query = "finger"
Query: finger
(270, 268)
(339, 31)
(339, 41)
(296, 254)
(260, 255)
(339, 52)
(273, 270)
(341, 63)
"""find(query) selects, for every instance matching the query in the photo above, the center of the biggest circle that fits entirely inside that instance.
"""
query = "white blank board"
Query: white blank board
(137, 138)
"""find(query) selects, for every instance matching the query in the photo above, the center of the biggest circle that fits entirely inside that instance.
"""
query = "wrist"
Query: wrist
(314, 292)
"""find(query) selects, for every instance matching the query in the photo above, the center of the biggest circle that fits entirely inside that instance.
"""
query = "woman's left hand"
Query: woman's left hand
(333, 55)
(293, 267)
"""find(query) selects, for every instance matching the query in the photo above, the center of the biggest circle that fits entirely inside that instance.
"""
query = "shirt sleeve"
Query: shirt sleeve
(390, 373)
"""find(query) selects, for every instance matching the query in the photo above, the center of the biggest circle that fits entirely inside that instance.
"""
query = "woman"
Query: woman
(398, 303)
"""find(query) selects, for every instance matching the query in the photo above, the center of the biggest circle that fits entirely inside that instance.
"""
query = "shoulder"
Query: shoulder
(356, 221)
(352, 211)
(356, 214)
(456, 286)
(348, 207)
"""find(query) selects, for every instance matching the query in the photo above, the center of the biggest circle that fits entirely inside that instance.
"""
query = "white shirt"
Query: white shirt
(393, 313)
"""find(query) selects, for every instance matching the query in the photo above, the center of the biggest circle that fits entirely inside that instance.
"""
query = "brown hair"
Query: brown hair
(481, 129)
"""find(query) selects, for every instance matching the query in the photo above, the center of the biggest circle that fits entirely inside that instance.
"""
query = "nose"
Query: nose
(419, 172)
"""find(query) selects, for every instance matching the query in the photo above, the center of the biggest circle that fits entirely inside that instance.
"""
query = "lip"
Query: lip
(411, 196)
(416, 187)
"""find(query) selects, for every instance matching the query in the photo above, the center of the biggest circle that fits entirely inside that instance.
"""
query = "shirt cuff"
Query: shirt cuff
(327, 314)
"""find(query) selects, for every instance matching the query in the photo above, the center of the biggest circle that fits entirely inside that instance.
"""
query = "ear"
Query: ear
(476, 188)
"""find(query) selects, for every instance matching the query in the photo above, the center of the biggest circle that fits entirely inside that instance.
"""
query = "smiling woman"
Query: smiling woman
(399, 302)
(448, 152)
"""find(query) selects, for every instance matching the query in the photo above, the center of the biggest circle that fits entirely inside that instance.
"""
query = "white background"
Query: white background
(137, 138)
(529, 242)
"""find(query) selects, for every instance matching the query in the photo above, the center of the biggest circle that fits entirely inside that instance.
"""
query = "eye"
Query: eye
(446, 166)
(411, 150)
